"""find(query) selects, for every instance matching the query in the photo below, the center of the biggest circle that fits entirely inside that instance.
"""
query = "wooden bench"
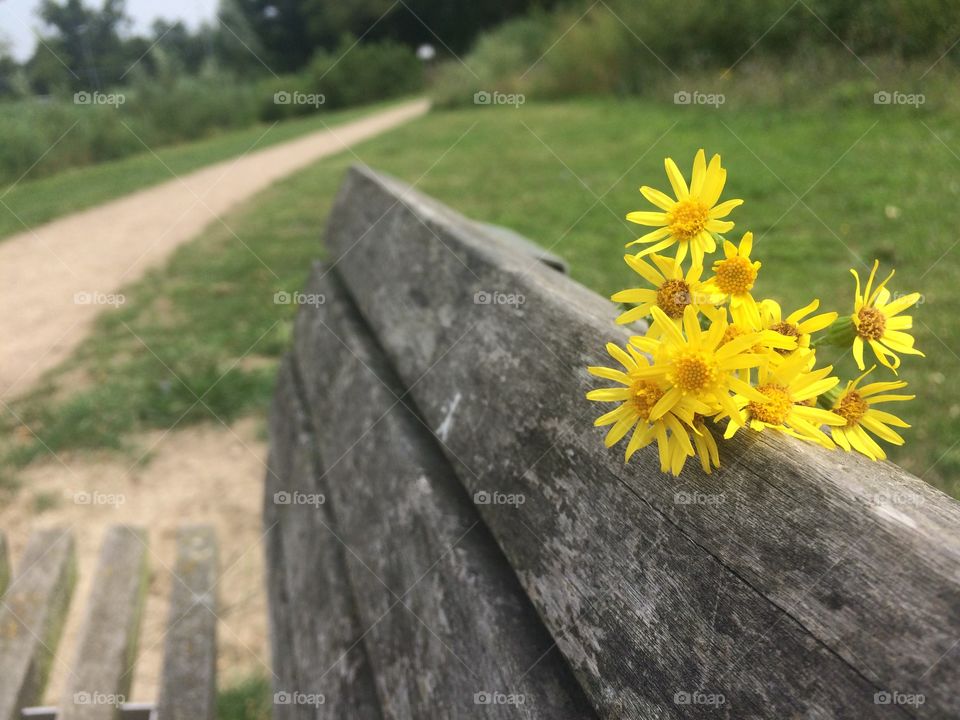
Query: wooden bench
(34, 607)
(448, 538)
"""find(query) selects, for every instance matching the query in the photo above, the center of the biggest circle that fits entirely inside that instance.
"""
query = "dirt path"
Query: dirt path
(54, 278)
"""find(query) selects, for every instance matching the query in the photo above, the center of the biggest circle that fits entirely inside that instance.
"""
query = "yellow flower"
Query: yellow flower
(876, 321)
(734, 277)
(794, 325)
(855, 406)
(705, 444)
(673, 290)
(786, 388)
(638, 397)
(690, 220)
(697, 363)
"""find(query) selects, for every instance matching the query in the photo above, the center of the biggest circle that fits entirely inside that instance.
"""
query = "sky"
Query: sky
(19, 21)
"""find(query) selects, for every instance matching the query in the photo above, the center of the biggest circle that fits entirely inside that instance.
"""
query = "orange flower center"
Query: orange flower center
(852, 407)
(672, 297)
(694, 371)
(776, 409)
(731, 333)
(788, 330)
(872, 323)
(688, 219)
(645, 395)
(735, 275)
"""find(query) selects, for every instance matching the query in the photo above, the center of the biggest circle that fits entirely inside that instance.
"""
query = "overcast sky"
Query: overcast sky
(19, 21)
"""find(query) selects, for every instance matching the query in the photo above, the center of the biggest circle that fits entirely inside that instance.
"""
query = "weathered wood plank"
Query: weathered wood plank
(802, 566)
(450, 625)
(4, 565)
(102, 671)
(319, 656)
(188, 685)
(32, 614)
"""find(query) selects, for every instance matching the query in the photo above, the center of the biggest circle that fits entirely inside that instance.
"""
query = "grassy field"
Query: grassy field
(31, 202)
(823, 193)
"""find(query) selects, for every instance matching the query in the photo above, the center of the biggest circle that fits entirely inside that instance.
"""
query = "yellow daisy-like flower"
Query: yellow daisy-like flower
(734, 277)
(693, 216)
(855, 406)
(673, 290)
(638, 397)
(697, 363)
(705, 444)
(878, 322)
(794, 325)
(787, 388)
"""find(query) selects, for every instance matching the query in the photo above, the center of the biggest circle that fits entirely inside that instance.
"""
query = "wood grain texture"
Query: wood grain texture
(802, 582)
(4, 565)
(102, 672)
(451, 632)
(32, 613)
(319, 659)
(188, 685)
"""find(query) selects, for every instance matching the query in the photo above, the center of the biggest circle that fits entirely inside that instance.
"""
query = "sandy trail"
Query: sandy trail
(54, 278)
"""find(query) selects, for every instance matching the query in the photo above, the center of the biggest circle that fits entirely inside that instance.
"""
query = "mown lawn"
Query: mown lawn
(824, 192)
(27, 203)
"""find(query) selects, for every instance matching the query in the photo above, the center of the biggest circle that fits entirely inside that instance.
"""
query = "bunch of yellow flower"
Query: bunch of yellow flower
(714, 352)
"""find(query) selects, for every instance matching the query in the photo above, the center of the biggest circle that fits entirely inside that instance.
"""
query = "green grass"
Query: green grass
(873, 182)
(31, 202)
(248, 700)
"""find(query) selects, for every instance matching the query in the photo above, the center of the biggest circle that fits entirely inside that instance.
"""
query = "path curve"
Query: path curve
(95, 252)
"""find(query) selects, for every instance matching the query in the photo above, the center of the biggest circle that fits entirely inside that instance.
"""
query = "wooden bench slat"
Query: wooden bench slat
(32, 614)
(188, 686)
(450, 624)
(805, 567)
(102, 672)
(316, 635)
